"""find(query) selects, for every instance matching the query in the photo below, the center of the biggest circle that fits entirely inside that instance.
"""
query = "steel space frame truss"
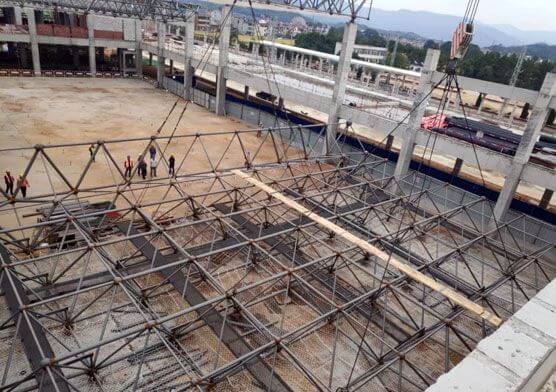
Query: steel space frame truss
(139, 9)
(352, 8)
(199, 279)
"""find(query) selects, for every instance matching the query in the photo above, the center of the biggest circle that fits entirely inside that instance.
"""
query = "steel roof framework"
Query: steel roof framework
(201, 279)
(181, 11)
(353, 8)
(140, 9)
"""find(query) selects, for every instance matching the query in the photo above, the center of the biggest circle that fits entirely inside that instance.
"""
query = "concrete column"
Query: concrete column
(457, 167)
(223, 46)
(320, 65)
(377, 80)
(75, 56)
(188, 70)
(246, 92)
(502, 109)
(171, 67)
(389, 142)
(30, 12)
(254, 49)
(414, 123)
(161, 63)
(340, 83)
(138, 50)
(457, 101)
(546, 197)
(525, 148)
(121, 61)
(18, 20)
(18, 16)
(92, 52)
(481, 104)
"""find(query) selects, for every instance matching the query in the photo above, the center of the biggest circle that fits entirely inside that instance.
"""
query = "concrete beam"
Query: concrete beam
(418, 110)
(340, 83)
(223, 47)
(525, 148)
(92, 49)
(520, 356)
(30, 12)
(492, 88)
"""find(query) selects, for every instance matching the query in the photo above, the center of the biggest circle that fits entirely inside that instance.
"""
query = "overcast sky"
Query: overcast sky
(524, 14)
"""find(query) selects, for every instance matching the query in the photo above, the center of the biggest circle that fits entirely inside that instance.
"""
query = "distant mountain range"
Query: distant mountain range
(422, 23)
(536, 50)
(440, 27)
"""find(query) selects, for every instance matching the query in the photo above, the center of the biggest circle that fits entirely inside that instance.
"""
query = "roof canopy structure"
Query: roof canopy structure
(353, 9)
(201, 279)
(140, 9)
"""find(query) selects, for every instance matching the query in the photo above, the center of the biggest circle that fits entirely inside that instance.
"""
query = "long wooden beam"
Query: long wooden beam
(406, 269)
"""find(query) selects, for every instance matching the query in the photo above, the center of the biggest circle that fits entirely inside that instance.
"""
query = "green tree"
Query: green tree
(430, 44)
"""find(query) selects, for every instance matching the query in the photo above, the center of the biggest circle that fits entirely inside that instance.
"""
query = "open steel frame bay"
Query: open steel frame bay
(202, 281)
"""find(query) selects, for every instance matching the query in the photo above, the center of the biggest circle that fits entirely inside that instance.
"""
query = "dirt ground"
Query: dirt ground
(50, 111)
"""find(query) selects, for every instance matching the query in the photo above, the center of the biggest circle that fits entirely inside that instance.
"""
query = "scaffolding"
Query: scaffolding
(200, 280)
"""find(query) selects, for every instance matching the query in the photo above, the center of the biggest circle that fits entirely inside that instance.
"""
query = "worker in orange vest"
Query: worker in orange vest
(128, 166)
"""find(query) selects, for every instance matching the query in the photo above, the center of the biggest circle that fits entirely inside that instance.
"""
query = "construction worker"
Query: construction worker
(171, 165)
(260, 130)
(23, 184)
(248, 160)
(139, 161)
(9, 180)
(153, 166)
(128, 166)
(92, 151)
(152, 151)
(142, 168)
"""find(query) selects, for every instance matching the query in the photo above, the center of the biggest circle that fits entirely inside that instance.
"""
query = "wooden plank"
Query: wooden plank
(406, 269)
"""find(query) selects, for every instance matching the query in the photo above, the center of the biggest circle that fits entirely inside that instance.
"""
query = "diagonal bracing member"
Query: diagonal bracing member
(406, 269)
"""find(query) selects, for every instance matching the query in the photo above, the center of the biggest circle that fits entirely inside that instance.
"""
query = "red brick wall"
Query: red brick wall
(44, 29)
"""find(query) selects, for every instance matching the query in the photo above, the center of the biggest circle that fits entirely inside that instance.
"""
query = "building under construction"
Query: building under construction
(293, 254)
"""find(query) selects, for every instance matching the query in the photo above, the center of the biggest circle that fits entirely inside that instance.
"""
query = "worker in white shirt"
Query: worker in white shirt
(153, 166)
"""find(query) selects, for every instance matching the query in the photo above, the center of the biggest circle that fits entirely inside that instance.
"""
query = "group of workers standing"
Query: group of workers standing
(153, 163)
(22, 183)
